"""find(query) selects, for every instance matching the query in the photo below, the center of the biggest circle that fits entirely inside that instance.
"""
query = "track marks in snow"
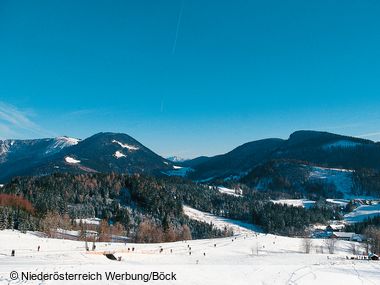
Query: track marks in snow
(299, 274)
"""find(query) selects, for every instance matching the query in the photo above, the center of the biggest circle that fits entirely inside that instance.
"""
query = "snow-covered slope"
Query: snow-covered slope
(342, 144)
(119, 154)
(175, 158)
(341, 178)
(363, 212)
(238, 227)
(339, 202)
(4, 146)
(229, 191)
(295, 202)
(248, 258)
(102, 152)
(71, 160)
(178, 171)
(127, 146)
(60, 143)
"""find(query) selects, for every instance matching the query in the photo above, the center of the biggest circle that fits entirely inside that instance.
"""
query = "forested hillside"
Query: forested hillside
(134, 201)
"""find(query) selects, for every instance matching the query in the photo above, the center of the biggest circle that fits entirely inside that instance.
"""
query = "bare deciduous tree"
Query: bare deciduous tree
(104, 231)
(330, 245)
(354, 249)
(53, 221)
(149, 232)
(373, 239)
(307, 244)
(186, 233)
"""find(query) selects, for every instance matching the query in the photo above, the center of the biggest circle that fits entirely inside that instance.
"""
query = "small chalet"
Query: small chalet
(347, 236)
(373, 256)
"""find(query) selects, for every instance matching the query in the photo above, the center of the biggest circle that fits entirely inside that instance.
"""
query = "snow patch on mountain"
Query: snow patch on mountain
(119, 154)
(71, 160)
(61, 143)
(123, 145)
(295, 202)
(67, 141)
(233, 192)
(341, 178)
(178, 171)
(339, 202)
(342, 144)
(5, 146)
(362, 213)
(176, 159)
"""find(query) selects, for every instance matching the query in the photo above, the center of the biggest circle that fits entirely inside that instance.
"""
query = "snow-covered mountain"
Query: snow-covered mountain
(61, 143)
(307, 157)
(175, 158)
(10, 148)
(103, 152)
(317, 148)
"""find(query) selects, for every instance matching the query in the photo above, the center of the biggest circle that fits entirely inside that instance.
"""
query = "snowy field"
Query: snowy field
(228, 191)
(295, 202)
(246, 258)
(362, 213)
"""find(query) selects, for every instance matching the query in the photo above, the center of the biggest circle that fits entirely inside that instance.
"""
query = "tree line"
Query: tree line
(145, 206)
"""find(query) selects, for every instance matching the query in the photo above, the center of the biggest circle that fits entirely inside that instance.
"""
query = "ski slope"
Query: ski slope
(247, 258)
(362, 213)
(341, 178)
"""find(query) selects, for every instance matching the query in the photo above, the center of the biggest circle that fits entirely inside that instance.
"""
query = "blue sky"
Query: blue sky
(189, 77)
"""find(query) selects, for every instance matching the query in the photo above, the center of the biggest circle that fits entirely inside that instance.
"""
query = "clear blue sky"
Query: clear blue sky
(189, 77)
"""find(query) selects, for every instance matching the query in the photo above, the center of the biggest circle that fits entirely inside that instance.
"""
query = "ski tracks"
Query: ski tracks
(299, 274)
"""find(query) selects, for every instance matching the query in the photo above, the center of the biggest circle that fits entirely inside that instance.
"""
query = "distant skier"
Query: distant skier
(38, 248)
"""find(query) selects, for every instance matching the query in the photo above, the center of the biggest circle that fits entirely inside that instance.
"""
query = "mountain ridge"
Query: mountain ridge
(102, 152)
(121, 153)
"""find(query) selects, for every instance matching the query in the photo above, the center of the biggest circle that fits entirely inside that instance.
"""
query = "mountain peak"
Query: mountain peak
(175, 158)
(309, 134)
(320, 137)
